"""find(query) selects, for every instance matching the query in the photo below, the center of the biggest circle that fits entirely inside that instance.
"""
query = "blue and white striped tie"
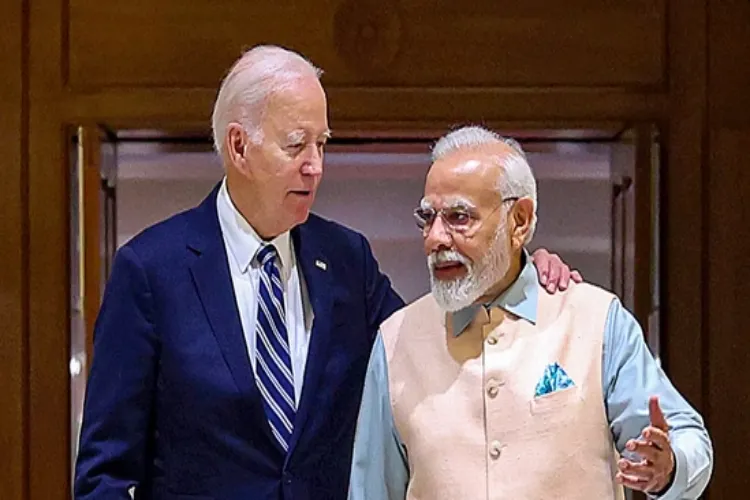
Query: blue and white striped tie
(273, 360)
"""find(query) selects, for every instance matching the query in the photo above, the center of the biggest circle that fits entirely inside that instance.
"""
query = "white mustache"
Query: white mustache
(442, 256)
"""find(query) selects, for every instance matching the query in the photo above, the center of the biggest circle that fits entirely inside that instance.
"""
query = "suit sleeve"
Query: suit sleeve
(120, 389)
(381, 299)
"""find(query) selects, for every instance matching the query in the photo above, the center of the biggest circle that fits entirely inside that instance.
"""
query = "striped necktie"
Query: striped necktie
(273, 360)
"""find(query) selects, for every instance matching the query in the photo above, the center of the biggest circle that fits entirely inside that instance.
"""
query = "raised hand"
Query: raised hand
(653, 474)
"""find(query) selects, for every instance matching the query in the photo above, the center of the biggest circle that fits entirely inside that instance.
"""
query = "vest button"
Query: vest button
(491, 340)
(492, 388)
(496, 449)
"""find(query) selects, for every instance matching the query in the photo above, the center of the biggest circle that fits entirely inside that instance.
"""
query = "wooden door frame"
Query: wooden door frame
(14, 305)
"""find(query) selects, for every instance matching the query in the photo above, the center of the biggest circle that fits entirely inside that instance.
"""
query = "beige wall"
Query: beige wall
(375, 193)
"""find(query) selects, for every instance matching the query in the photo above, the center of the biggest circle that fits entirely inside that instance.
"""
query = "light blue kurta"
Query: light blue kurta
(630, 376)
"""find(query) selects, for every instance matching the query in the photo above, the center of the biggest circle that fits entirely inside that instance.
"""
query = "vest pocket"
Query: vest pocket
(556, 401)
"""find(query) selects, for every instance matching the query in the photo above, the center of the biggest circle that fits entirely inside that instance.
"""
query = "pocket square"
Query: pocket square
(554, 379)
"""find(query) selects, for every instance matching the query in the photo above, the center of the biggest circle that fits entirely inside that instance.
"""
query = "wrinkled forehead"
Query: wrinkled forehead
(448, 202)
(468, 177)
(301, 101)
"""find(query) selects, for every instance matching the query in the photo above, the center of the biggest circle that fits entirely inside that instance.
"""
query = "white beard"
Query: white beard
(459, 293)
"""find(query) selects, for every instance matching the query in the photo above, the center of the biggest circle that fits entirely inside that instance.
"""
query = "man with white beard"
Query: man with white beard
(490, 388)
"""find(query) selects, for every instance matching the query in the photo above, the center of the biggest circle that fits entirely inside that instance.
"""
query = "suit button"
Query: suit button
(287, 479)
(496, 449)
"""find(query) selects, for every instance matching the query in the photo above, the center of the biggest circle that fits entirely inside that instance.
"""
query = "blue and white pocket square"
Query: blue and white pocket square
(554, 379)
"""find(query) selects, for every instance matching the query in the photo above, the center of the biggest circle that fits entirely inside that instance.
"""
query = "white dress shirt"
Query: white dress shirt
(242, 244)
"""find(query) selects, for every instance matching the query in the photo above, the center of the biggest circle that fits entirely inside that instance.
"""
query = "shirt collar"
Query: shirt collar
(243, 241)
(520, 299)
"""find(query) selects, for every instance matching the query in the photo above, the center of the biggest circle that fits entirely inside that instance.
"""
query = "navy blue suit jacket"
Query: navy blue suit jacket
(172, 407)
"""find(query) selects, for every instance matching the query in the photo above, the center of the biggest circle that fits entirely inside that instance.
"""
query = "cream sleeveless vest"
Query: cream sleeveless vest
(465, 405)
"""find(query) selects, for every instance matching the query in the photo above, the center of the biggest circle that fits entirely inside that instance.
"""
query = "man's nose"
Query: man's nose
(314, 162)
(437, 235)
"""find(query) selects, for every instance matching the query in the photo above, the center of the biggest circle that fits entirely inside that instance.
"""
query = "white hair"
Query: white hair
(481, 275)
(516, 179)
(244, 93)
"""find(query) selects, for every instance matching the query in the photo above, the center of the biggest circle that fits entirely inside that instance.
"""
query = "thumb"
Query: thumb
(655, 414)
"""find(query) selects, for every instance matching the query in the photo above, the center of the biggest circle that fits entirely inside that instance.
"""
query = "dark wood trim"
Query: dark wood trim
(642, 258)
(728, 297)
(682, 247)
(727, 273)
(49, 269)
(415, 108)
(13, 244)
(642, 231)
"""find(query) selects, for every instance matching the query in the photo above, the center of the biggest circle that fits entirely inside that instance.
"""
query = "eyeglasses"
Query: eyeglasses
(458, 219)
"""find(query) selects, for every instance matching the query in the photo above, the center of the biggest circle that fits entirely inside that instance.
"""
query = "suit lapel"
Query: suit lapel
(315, 269)
(210, 272)
(213, 282)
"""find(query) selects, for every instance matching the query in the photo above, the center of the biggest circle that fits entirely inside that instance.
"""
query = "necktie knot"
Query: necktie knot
(266, 254)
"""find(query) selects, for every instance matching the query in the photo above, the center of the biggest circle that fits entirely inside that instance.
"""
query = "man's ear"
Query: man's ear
(235, 144)
(522, 215)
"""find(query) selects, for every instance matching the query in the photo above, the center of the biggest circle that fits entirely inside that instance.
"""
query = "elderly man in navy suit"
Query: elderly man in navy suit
(231, 347)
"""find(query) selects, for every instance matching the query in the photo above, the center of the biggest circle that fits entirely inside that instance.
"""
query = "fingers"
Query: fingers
(641, 476)
(636, 471)
(564, 278)
(657, 437)
(554, 274)
(653, 471)
(555, 269)
(644, 449)
(635, 483)
(631, 479)
(541, 259)
(654, 447)
(656, 416)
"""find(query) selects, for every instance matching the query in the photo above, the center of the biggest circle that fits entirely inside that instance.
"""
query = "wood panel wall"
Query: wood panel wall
(372, 43)
(13, 289)
(48, 209)
(726, 268)
(390, 65)
(682, 242)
